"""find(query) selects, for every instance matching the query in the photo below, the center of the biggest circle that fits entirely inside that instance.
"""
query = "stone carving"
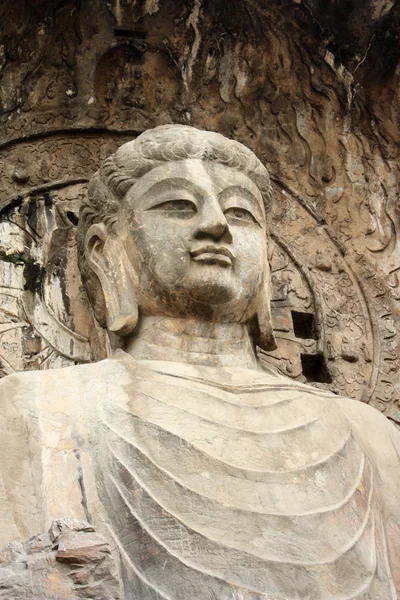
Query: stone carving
(209, 475)
(46, 319)
(332, 149)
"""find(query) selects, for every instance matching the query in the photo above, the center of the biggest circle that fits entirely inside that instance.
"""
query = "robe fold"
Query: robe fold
(211, 483)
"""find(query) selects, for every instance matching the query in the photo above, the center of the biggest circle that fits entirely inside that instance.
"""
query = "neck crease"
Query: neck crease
(193, 342)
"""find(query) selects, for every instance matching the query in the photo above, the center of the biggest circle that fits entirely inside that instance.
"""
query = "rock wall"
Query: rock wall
(311, 87)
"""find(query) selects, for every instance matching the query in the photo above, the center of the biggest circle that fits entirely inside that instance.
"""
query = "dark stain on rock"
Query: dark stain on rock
(72, 217)
(32, 214)
(57, 263)
(34, 275)
(384, 54)
(6, 210)
(48, 202)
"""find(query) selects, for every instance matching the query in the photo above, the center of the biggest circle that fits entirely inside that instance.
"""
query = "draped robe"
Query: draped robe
(211, 483)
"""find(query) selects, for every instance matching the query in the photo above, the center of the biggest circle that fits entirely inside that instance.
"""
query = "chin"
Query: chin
(215, 290)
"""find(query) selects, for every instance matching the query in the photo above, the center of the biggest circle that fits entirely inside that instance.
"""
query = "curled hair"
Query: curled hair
(120, 171)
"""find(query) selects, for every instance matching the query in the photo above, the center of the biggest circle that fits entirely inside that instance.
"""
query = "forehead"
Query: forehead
(208, 176)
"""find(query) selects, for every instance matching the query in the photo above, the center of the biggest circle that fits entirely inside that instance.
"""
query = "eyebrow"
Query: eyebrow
(244, 192)
(186, 183)
(197, 190)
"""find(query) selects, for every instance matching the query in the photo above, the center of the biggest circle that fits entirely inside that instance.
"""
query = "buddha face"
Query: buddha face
(195, 234)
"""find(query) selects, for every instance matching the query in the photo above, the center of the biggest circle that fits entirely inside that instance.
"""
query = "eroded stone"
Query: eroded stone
(202, 470)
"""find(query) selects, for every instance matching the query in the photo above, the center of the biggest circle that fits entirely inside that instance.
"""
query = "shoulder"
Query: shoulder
(376, 429)
(49, 376)
(380, 440)
(375, 432)
(24, 391)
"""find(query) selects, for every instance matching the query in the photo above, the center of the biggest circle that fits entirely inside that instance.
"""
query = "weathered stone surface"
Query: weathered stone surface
(80, 547)
(64, 525)
(202, 470)
(67, 570)
(310, 86)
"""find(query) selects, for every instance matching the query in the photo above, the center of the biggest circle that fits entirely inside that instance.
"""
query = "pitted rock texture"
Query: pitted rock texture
(70, 562)
(310, 86)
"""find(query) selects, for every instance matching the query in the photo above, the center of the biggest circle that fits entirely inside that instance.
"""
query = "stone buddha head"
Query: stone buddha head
(175, 224)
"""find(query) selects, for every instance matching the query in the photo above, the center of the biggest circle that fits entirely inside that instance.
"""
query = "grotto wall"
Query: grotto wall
(311, 87)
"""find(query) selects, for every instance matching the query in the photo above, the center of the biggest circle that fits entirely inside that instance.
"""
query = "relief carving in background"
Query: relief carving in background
(322, 120)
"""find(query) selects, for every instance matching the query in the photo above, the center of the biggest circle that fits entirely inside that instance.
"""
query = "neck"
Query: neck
(193, 342)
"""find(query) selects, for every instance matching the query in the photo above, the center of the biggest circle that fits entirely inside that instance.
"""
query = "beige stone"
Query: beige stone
(210, 475)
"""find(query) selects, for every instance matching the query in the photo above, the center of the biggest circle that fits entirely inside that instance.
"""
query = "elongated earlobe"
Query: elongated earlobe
(119, 289)
(262, 329)
(123, 320)
(263, 333)
(118, 281)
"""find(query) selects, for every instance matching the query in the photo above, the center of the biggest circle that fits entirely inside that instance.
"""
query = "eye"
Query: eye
(237, 213)
(181, 209)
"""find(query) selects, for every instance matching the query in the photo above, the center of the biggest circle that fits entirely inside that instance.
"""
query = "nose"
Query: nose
(213, 223)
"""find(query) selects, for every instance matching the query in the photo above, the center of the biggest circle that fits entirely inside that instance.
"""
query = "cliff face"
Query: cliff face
(311, 87)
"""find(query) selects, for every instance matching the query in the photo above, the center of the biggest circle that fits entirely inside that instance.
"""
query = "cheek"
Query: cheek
(251, 252)
(162, 248)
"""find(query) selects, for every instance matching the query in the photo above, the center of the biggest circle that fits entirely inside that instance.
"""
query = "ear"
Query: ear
(262, 327)
(107, 258)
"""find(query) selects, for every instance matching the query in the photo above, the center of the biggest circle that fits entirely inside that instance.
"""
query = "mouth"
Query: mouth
(213, 255)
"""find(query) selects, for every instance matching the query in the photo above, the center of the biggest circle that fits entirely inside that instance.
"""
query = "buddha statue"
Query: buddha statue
(211, 476)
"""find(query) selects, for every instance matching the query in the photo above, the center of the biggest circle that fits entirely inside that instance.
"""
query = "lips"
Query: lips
(213, 255)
